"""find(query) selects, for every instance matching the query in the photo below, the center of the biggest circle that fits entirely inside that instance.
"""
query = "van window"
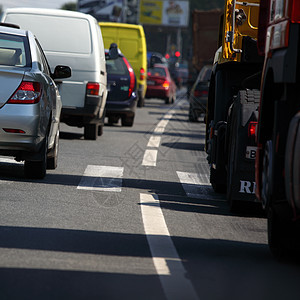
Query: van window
(56, 34)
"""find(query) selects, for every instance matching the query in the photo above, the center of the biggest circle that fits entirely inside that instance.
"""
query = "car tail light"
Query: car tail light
(132, 77)
(27, 93)
(12, 130)
(252, 129)
(166, 84)
(142, 74)
(200, 93)
(92, 88)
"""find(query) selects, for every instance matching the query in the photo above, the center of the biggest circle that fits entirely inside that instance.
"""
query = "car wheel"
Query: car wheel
(100, 130)
(37, 169)
(168, 100)
(53, 154)
(91, 132)
(113, 120)
(127, 121)
(141, 100)
(193, 116)
(174, 98)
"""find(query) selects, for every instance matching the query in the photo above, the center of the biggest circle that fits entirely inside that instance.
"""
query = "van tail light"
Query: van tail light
(27, 93)
(142, 74)
(252, 129)
(200, 93)
(92, 88)
(132, 77)
(166, 84)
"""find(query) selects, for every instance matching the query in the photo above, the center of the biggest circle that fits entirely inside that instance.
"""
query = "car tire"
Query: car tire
(141, 100)
(91, 132)
(100, 130)
(168, 100)
(127, 121)
(53, 154)
(193, 116)
(37, 169)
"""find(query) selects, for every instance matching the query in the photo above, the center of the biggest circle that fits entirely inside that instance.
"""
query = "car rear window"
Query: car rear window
(116, 66)
(55, 33)
(13, 50)
(155, 71)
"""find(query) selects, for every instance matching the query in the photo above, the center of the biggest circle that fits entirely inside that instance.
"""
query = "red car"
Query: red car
(160, 84)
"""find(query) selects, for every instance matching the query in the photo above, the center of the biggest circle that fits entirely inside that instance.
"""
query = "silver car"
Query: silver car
(30, 103)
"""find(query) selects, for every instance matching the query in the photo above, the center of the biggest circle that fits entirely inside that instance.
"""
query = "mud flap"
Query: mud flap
(240, 168)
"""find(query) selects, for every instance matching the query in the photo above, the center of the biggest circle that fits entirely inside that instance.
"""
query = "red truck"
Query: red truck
(277, 166)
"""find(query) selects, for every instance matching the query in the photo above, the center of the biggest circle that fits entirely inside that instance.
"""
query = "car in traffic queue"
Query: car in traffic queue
(131, 39)
(30, 103)
(198, 94)
(74, 38)
(160, 83)
(122, 97)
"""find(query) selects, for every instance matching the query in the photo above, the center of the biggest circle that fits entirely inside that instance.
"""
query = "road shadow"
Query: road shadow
(185, 146)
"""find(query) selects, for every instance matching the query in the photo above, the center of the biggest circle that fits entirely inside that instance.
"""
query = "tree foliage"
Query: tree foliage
(69, 6)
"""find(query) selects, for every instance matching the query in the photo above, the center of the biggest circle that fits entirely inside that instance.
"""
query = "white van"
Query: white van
(73, 39)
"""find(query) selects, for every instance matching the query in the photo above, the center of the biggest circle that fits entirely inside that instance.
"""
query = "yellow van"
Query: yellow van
(132, 43)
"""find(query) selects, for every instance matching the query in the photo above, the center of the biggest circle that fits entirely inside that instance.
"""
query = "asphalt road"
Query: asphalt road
(132, 216)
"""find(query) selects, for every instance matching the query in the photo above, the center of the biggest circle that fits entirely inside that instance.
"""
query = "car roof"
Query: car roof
(11, 30)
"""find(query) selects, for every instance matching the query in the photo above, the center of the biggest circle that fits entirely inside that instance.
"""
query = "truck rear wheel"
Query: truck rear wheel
(231, 169)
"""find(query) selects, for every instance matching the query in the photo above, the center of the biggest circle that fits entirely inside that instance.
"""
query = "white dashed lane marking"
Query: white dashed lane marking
(102, 178)
(166, 260)
(196, 185)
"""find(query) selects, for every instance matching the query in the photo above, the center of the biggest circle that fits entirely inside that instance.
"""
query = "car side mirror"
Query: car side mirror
(62, 72)
(113, 51)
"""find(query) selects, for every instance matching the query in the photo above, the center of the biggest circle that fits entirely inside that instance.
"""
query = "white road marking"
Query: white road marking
(150, 157)
(101, 178)
(166, 260)
(154, 141)
(196, 185)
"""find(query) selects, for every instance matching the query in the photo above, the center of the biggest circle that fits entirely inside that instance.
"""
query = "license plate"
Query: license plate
(151, 82)
(251, 152)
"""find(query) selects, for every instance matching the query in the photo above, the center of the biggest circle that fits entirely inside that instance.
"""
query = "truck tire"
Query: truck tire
(91, 131)
(243, 110)
(276, 231)
(217, 187)
(231, 167)
(292, 163)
